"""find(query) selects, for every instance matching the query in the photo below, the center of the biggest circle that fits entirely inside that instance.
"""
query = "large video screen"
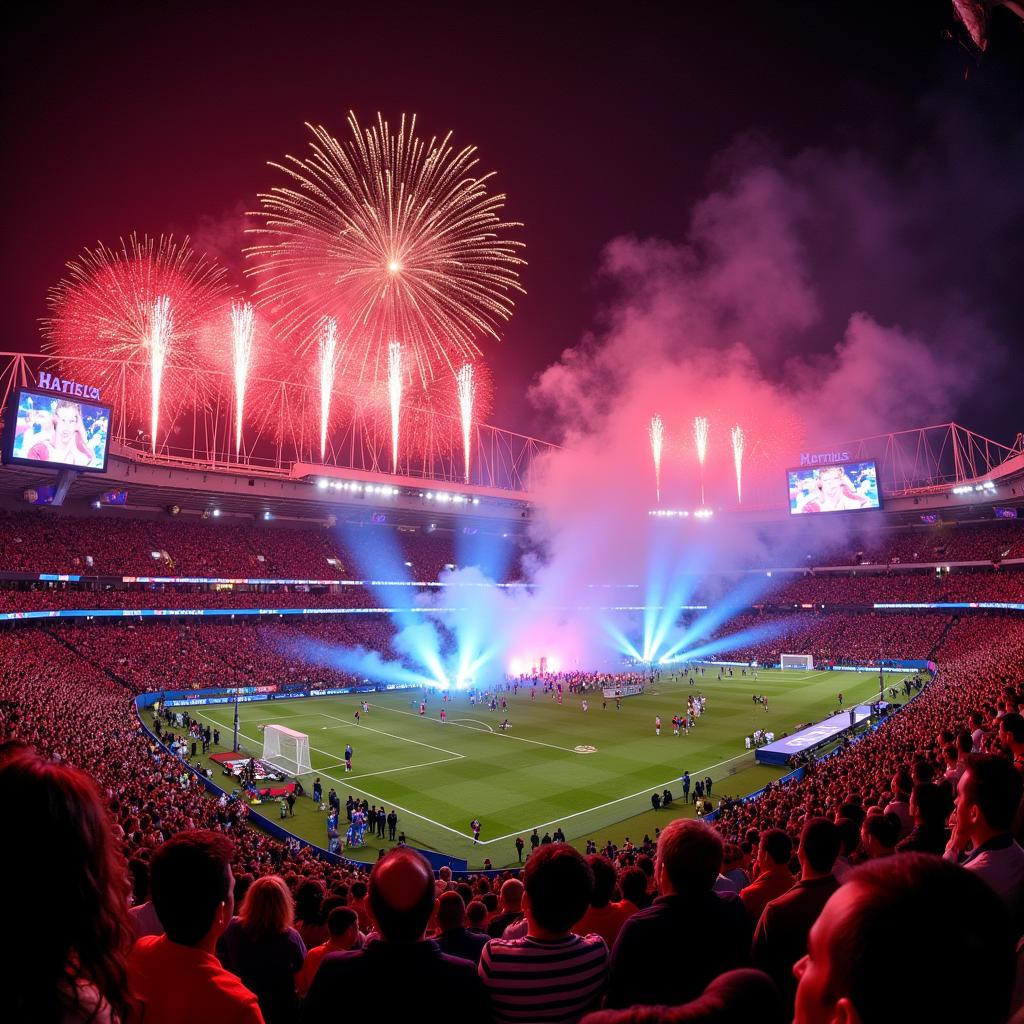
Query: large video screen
(845, 487)
(56, 430)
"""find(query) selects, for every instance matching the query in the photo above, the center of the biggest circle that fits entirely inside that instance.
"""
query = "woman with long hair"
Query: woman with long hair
(65, 897)
(264, 950)
(310, 918)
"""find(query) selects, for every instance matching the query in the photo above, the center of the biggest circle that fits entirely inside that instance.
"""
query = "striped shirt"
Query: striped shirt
(544, 981)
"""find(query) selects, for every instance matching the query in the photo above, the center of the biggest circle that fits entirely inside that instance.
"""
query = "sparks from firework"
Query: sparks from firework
(466, 387)
(102, 312)
(395, 237)
(738, 440)
(395, 396)
(328, 365)
(243, 327)
(700, 440)
(161, 326)
(657, 434)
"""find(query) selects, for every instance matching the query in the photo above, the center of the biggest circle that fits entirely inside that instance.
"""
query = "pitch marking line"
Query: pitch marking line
(363, 775)
(455, 725)
(610, 803)
(475, 721)
(404, 739)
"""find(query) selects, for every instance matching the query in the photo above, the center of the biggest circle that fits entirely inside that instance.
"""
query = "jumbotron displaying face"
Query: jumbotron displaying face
(67, 419)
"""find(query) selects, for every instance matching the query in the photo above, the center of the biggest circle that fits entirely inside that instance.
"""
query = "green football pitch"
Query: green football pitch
(590, 772)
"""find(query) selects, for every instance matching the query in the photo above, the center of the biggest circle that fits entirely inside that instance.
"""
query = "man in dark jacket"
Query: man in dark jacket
(455, 938)
(421, 981)
(687, 916)
(781, 936)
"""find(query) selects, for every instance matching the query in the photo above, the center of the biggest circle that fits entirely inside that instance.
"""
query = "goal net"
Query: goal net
(805, 661)
(286, 749)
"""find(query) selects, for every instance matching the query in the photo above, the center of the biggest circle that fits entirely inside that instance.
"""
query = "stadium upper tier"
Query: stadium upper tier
(113, 544)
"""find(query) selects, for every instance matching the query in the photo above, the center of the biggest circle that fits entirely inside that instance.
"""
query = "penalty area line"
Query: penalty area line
(405, 739)
(341, 764)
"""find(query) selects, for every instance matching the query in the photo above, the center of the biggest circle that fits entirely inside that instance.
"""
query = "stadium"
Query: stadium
(313, 677)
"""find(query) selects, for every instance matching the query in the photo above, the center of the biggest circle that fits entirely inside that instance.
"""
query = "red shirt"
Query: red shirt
(767, 886)
(312, 964)
(159, 968)
(605, 921)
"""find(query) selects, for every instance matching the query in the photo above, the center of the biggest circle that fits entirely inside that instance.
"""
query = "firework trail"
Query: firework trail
(102, 313)
(657, 433)
(328, 365)
(396, 238)
(737, 457)
(242, 330)
(700, 440)
(161, 328)
(466, 387)
(395, 396)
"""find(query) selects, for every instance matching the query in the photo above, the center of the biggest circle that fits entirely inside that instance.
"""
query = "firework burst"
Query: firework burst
(395, 238)
(700, 442)
(161, 329)
(102, 312)
(656, 430)
(738, 440)
(328, 364)
(465, 387)
(395, 396)
(243, 325)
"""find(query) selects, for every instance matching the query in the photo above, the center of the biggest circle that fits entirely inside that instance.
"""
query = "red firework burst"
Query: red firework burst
(140, 308)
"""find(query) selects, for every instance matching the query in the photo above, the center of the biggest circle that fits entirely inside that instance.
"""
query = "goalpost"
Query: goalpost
(798, 661)
(286, 749)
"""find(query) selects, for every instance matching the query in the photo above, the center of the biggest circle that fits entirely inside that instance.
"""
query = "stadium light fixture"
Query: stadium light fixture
(216, 513)
(322, 485)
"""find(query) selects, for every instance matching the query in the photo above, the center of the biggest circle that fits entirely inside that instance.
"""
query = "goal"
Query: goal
(801, 661)
(286, 749)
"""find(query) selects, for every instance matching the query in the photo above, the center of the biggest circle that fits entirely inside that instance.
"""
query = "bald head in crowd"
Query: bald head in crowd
(512, 895)
(401, 896)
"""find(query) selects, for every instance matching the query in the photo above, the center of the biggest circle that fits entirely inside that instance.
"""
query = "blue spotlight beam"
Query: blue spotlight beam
(740, 598)
(752, 635)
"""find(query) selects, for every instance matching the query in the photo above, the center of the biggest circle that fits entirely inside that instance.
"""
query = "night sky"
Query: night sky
(160, 118)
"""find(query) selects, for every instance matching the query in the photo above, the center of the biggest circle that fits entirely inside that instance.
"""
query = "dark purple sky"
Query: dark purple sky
(161, 118)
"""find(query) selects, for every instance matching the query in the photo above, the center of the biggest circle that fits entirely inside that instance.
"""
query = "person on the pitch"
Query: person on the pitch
(474, 827)
(657, 725)
(519, 848)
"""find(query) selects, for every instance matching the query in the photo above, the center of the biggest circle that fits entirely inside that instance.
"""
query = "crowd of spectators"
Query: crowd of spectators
(835, 637)
(867, 588)
(115, 544)
(859, 589)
